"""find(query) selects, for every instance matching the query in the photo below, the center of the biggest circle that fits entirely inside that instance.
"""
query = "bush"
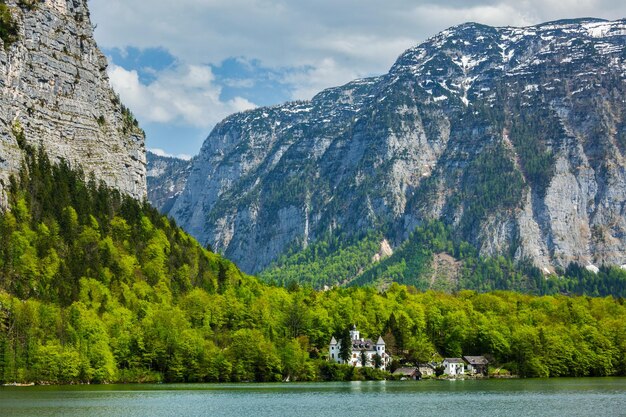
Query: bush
(29, 4)
(8, 27)
(335, 372)
(371, 374)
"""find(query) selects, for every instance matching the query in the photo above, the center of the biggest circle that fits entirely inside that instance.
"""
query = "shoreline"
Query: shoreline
(285, 383)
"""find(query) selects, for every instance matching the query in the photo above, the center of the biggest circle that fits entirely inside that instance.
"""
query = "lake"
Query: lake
(522, 397)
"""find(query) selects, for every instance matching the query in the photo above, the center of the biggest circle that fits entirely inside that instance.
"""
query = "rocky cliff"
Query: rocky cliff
(167, 178)
(54, 91)
(514, 136)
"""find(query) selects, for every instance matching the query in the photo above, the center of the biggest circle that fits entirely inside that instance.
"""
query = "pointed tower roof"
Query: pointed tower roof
(333, 341)
(380, 341)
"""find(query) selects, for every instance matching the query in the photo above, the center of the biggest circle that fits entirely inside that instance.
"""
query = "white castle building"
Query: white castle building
(360, 346)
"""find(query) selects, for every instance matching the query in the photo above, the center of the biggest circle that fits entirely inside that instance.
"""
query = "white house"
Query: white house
(360, 346)
(454, 366)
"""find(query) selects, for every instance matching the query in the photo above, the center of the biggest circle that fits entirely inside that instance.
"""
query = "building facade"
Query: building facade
(362, 350)
(477, 365)
(454, 366)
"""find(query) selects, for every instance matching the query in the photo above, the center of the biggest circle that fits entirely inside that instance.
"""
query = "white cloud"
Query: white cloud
(321, 43)
(161, 152)
(321, 75)
(494, 15)
(239, 83)
(185, 95)
(361, 37)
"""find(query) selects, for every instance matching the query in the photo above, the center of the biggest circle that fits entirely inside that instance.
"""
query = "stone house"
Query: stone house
(477, 365)
(407, 373)
(426, 370)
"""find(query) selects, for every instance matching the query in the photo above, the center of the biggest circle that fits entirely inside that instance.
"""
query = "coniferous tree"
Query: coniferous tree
(345, 350)
(221, 278)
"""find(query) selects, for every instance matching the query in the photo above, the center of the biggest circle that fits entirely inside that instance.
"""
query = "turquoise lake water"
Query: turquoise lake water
(524, 397)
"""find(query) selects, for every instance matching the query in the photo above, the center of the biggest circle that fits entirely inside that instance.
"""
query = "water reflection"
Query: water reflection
(556, 397)
(367, 387)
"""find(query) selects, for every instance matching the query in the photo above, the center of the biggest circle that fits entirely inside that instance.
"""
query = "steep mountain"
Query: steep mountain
(167, 178)
(54, 91)
(514, 137)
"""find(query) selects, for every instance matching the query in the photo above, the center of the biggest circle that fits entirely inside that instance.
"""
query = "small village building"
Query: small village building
(361, 347)
(477, 365)
(407, 373)
(453, 366)
(423, 370)
(426, 370)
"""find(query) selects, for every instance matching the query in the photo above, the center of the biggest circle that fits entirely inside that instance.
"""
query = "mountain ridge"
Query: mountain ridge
(392, 152)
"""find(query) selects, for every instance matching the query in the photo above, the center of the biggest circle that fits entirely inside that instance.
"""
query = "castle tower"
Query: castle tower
(380, 344)
(380, 350)
(333, 351)
(354, 333)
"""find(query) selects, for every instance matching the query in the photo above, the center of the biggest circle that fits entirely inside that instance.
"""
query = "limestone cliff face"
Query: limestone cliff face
(167, 178)
(515, 136)
(54, 91)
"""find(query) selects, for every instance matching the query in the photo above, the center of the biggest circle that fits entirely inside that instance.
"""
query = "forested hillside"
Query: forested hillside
(418, 260)
(96, 287)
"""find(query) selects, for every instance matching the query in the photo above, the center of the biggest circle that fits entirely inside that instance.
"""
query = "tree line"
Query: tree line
(97, 287)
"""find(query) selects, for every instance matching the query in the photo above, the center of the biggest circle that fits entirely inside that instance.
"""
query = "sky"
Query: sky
(181, 66)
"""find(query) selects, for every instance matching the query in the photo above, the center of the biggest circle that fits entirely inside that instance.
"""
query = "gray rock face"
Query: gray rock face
(516, 136)
(55, 90)
(167, 178)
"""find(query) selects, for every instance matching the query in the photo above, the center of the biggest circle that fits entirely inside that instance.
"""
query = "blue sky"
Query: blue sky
(236, 78)
(183, 66)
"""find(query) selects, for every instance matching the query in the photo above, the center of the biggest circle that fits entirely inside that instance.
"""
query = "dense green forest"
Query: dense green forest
(411, 265)
(96, 287)
(331, 262)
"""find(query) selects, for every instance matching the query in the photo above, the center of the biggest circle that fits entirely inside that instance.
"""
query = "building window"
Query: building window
(333, 356)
